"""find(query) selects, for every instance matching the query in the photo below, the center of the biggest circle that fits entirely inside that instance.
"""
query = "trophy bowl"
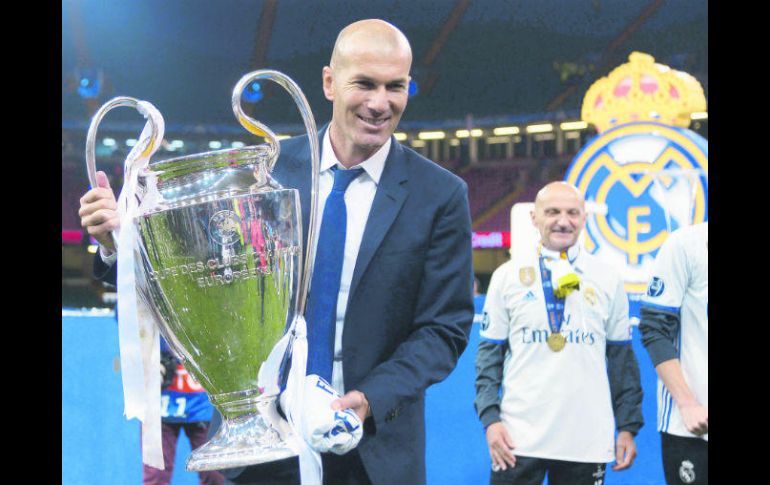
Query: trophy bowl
(219, 265)
(220, 258)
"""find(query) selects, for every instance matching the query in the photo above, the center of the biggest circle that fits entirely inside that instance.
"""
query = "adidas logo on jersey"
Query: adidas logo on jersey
(530, 296)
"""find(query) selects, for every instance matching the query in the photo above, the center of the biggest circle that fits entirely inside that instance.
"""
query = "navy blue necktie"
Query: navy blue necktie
(325, 283)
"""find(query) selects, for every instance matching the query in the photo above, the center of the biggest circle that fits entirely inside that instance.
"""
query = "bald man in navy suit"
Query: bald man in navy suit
(405, 304)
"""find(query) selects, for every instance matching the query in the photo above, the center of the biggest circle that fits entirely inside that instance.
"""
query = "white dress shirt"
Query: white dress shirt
(358, 202)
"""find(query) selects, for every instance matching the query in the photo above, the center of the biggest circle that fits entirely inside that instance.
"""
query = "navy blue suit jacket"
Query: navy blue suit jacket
(410, 307)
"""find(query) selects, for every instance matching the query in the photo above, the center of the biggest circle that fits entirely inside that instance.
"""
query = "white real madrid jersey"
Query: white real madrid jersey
(557, 405)
(680, 283)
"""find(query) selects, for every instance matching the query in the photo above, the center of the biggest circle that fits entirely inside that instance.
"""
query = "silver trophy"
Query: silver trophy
(219, 263)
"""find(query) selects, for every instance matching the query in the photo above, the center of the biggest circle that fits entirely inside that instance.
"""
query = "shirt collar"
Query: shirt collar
(572, 253)
(373, 165)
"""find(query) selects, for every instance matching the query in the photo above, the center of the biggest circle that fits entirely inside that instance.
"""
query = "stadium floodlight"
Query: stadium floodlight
(431, 135)
(541, 128)
(215, 144)
(177, 143)
(131, 142)
(475, 133)
(109, 142)
(237, 144)
(573, 125)
(506, 130)
(400, 136)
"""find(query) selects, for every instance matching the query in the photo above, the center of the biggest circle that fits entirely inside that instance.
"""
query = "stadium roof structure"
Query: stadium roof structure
(501, 60)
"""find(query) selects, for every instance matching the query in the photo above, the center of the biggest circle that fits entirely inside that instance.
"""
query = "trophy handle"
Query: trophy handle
(146, 149)
(257, 128)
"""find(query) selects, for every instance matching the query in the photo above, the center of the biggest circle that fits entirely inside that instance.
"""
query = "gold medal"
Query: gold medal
(556, 341)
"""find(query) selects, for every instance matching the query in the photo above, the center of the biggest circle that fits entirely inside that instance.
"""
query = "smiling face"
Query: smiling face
(559, 215)
(367, 82)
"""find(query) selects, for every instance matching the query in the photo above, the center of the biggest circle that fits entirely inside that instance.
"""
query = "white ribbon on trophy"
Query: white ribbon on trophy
(311, 468)
(138, 335)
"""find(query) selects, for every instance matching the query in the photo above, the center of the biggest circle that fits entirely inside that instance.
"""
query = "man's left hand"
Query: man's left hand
(625, 451)
(355, 400)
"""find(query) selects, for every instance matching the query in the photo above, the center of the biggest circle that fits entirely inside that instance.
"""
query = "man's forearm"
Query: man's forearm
(670, 373)
(694, 414)
(489, 375)
(625, 387)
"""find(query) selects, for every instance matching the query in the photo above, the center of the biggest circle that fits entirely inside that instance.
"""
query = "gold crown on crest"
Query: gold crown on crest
(643, 90)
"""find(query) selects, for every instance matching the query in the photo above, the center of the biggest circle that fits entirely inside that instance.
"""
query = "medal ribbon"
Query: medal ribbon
(554, 306)
(137, 332)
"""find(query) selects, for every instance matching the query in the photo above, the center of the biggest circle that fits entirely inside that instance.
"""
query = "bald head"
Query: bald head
(559, 215)
(370, 36)
(558, 189)
(367, 81)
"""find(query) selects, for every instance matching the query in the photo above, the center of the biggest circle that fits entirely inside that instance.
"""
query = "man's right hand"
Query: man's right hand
(695, 417)
(500, 447)
(98, 212)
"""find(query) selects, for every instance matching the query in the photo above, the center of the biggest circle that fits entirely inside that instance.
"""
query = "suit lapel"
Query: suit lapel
(295, 174)
(388, 200)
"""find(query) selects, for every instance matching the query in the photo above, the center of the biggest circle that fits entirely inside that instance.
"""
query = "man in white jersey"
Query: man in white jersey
(675, 331)
(556, 337)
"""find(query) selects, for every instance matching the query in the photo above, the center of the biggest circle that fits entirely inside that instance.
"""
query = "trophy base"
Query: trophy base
(246, 440)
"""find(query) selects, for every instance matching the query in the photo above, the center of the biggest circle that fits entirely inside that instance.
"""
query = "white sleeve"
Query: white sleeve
(669, 276)
(494, 325)
(619, 324)
(108, 260)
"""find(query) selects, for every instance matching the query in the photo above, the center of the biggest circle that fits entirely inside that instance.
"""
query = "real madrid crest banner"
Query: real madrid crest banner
(644, 164)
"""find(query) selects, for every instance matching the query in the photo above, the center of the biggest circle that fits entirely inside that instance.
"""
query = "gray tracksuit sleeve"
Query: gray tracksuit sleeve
(489, 377)
(659, 330)
(625, 388)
